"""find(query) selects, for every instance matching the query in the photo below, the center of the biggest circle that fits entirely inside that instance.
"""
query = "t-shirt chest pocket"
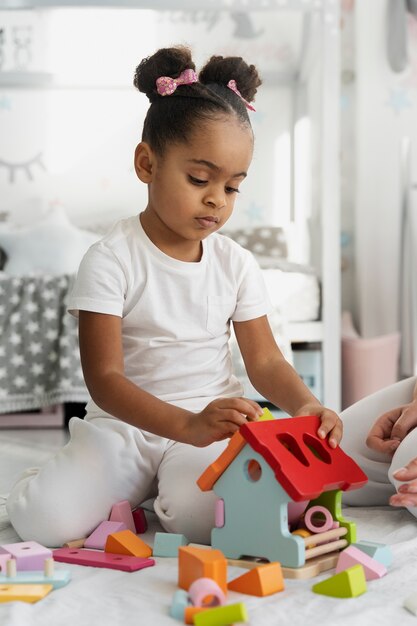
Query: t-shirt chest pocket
(219, 311)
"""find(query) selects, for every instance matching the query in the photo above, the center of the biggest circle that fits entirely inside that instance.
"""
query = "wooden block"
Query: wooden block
(3, 561)
(121, 512)
(94, 558)
(378, 551)
(263, 580)
(97, 539)
(347, 584)
(140, 521)
(75, 543)
(167, 544)
(266, 415)
(180, 601)
(329, 535)
(351, 556)
(312, 568)
(191, 611)
(23, 593)
(29, 555)
(222, 615)
(216, 469)
(196, 563)
(126, 542)
(58, 579)
(410, 603)
(206, 592)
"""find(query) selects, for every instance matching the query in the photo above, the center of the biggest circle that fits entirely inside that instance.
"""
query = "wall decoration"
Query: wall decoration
(25, 166)
(398, 100)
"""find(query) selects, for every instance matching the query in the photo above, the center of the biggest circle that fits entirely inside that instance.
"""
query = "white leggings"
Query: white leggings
(107, 461)
(357, 420)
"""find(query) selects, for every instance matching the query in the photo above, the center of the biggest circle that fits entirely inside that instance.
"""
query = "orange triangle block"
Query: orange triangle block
(259, 581)
(126, 542)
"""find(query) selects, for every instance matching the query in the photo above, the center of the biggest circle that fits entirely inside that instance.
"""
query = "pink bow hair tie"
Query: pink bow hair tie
(165, 85)
(232, 85)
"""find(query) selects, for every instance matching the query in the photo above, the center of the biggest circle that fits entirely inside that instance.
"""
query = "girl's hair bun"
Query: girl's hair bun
(165, 62)
(219, 70)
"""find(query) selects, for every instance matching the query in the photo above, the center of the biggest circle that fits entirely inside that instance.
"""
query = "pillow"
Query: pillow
(265, 241)
(51, 246)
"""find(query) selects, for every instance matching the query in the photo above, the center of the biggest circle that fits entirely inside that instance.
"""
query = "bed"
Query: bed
(111, 598)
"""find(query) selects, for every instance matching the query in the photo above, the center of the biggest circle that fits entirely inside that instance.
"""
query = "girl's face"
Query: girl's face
(193, 186)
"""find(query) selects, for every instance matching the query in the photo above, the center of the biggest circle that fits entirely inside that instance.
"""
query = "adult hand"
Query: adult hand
(407, 493)
(331, 425)
(219, 420)
(390, 428)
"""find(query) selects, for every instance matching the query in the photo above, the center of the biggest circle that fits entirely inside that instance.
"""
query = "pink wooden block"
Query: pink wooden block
(3, 559)
(219, 513)
(140, 521)
(352, 556)
(29, 555)
(102, 559)
(121, 512)
(97, 539)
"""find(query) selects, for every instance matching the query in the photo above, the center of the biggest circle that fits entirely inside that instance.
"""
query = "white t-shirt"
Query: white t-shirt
(175, 314)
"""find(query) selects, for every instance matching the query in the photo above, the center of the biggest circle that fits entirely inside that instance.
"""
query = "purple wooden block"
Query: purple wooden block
(102, 559)
(97, 539)
(29, 555)
(121, 512)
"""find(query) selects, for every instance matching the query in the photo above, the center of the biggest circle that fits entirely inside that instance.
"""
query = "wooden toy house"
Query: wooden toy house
(269, 468)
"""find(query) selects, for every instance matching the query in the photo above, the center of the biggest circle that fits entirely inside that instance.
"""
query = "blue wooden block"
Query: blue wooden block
(378, 551)
(256, 514)
(167, 544)
(180, 601)
(59, 578)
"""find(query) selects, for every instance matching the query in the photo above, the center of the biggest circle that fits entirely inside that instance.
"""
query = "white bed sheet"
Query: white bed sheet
(110, 598)
(296, 294)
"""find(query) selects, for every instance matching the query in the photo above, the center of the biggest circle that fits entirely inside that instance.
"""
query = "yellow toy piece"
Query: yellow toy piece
(23, 593)
(266, 415)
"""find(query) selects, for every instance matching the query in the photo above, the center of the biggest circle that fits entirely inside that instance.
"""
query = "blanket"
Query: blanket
(39, 356)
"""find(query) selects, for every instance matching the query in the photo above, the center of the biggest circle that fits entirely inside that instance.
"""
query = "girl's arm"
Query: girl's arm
(100, 337)
(277, 381)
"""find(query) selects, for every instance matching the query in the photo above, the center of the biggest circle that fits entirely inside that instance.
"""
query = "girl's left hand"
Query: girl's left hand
(331, 425)
(407, 493)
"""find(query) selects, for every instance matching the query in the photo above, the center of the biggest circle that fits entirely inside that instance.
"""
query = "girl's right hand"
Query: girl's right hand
(219, 420)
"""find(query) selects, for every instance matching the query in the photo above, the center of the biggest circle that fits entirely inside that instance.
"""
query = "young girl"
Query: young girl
(155, 298)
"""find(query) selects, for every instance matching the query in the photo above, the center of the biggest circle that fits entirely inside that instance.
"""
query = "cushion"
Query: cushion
(265, 241)
(51, 246)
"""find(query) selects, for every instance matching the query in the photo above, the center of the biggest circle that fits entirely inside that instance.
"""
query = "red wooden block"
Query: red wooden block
(102, 559)
(139, 518)
(304, 464)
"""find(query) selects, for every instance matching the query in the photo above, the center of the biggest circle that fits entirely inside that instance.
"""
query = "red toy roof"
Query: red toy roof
(304, 464)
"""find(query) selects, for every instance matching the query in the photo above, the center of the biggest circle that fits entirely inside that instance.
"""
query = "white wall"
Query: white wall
(385, 111)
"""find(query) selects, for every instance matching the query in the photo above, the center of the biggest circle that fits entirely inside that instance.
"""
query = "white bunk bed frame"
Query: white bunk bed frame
(327, 330)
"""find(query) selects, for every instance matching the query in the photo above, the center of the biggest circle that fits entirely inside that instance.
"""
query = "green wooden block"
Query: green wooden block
(222, 615)
(332, 500)
(347, 584)
(167, 544)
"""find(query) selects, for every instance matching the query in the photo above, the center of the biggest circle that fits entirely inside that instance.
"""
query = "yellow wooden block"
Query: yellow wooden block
(126, 542)
(266, 415)
(23, 593)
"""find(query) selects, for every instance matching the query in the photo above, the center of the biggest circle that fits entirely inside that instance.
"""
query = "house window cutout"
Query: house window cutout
(291, 444)
(317, 448)
(253, 470)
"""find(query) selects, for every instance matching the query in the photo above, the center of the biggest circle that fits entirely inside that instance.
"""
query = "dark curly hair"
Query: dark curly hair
(173, 119)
